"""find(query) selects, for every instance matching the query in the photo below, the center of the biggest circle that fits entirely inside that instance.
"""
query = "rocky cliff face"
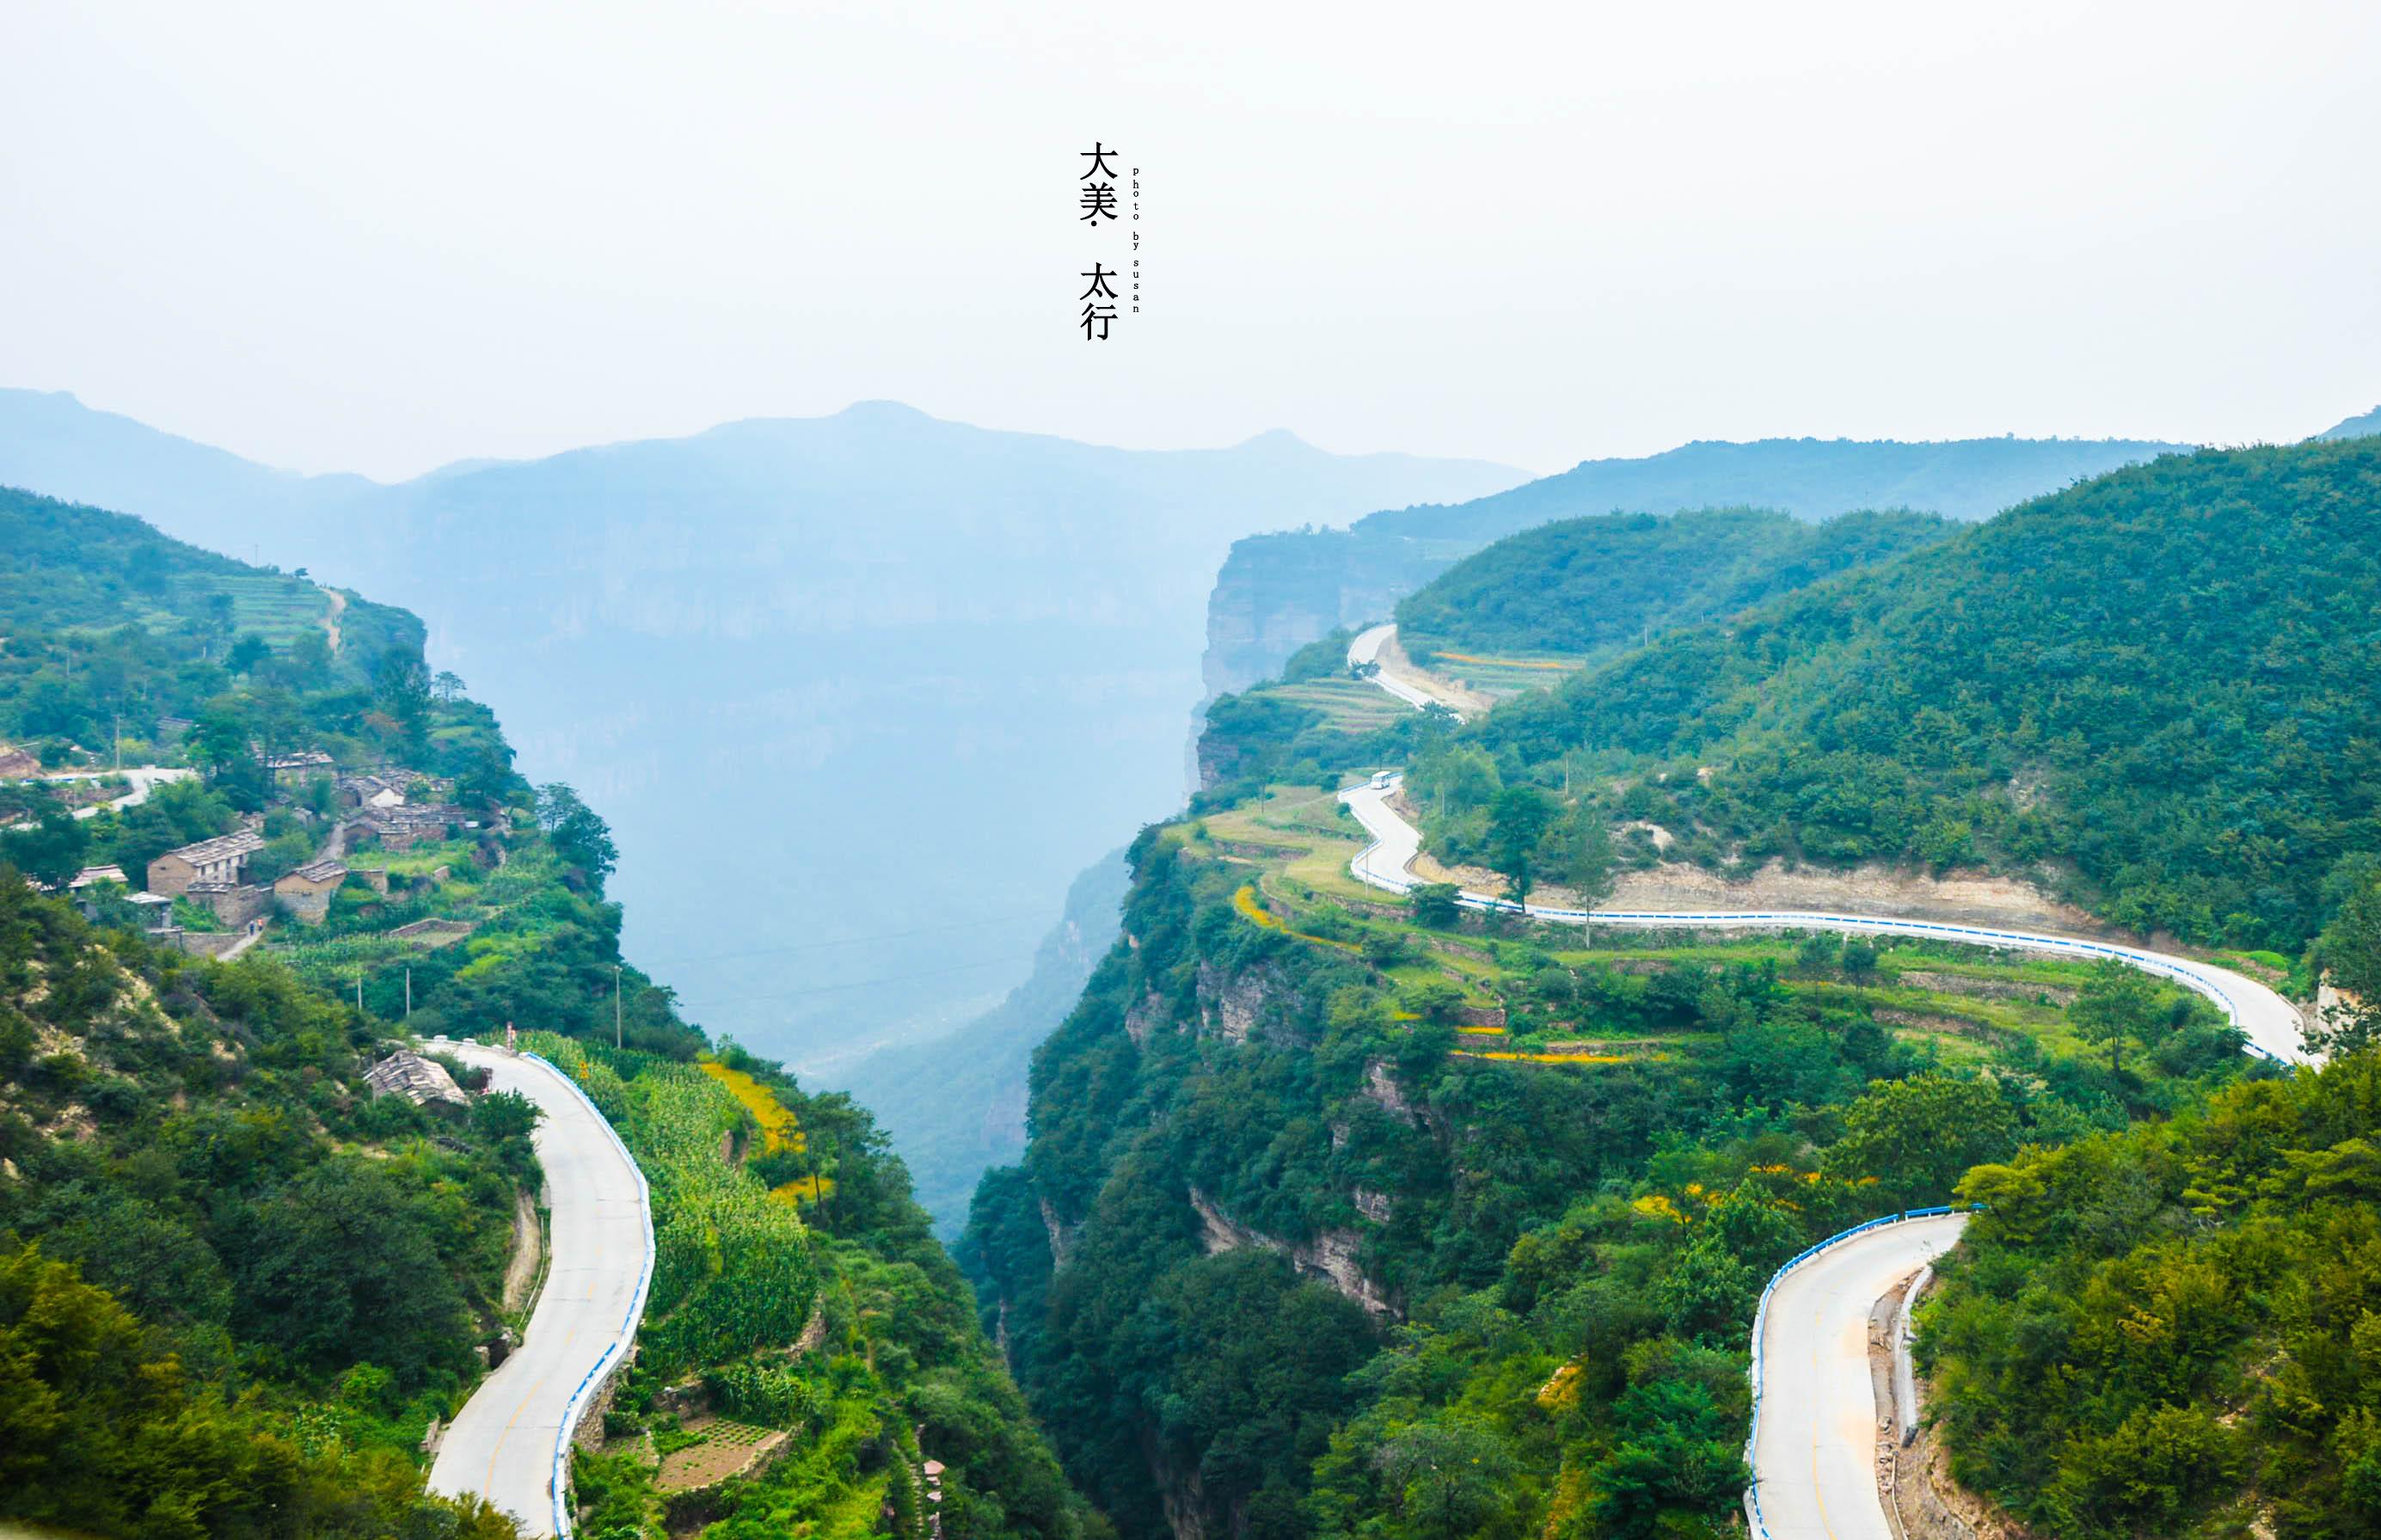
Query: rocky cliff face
(1331, 1257)
(1277, 593)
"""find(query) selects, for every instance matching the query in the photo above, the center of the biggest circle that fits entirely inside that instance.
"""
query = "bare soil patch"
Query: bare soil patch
(727, 1449)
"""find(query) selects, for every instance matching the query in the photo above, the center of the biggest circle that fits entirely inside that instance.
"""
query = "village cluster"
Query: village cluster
(370, 814)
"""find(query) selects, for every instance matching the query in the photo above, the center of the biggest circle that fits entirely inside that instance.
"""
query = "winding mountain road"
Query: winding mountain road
(1368, 651)
(143, 779)
(510, 1442)
(1813, 1449)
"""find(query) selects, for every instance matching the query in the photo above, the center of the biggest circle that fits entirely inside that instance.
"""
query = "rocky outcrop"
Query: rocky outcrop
(1234, 1004)
(1330, 1257)
(1146, 1015)
(1381, 1088)
(1277, 593)
(1062, 1237)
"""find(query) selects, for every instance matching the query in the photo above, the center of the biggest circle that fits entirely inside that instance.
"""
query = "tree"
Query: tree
(401, 689)
(1517, 821)
(1577, 851)
(1434, 1000)
(2117, 1002)
(247, 652)
(1452, 1478)
(307, 665)
(1917, 1137)
(579, 837)
(2351, 956)
(52, 851)
(1434, 904)
(224, 744)
(341, 1267)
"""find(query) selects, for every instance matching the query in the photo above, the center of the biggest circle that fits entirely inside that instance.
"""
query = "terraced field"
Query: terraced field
(1530, 993)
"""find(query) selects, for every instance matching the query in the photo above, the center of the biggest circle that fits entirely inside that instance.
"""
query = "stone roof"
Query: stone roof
(306, 760)
(90, 877)
(328, 869)
(418, 1080)
(222, 848)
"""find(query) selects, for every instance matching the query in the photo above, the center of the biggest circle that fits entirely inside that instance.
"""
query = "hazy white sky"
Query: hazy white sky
(377, 238)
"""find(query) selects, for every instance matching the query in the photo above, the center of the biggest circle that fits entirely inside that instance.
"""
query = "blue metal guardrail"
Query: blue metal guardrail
(2183, 974)
(577, 1405)
(1761, 1320)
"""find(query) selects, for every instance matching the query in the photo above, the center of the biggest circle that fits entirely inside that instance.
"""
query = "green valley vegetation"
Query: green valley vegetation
(1275, 590)
(807, 1346)
(2156, 692)
(1526, 612)
(320, 1264)
(1591, 586)
(2176, 1330)
(1341, 1218)
(235, 1287)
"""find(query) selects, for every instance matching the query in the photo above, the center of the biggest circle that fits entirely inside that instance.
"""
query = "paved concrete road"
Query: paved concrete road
(143, 779)
(1366, 649)
(2270, 1023)
(1814, 1451)
(503, 1444)
(1813, 1460)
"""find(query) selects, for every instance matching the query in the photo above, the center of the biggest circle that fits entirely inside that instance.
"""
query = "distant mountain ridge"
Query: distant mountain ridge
(1278, 592)
(821, 675)
(2355, 427)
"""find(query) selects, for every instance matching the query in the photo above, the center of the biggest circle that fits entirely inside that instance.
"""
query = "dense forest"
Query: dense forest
(1344, 1218)
(2156, 690)
(235, 1288)
(1588, 586)
(271, 1281)
(1301, 1246)
(1578, 591)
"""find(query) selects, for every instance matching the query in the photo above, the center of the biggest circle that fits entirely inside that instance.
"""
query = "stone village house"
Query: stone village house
(306, 892)
(221, 861)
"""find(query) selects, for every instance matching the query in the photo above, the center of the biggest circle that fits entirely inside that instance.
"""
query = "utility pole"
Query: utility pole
(360, 992)
(616, 1005)
(409, 992)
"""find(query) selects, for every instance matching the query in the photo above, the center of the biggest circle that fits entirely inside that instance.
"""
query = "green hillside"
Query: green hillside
(2159, 688)
(273, 1282)
(1350, 1220)
(1519, 616)
(235, 1288)
(1588, 585)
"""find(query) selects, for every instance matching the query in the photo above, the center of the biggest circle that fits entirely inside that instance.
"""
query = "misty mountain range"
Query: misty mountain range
(861, 694)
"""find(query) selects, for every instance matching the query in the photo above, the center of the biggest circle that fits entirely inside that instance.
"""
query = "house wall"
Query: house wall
(237, 906)
(170, 874)
(308, 901)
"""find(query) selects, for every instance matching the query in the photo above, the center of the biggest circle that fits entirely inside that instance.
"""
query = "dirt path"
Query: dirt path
(528, 1250)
